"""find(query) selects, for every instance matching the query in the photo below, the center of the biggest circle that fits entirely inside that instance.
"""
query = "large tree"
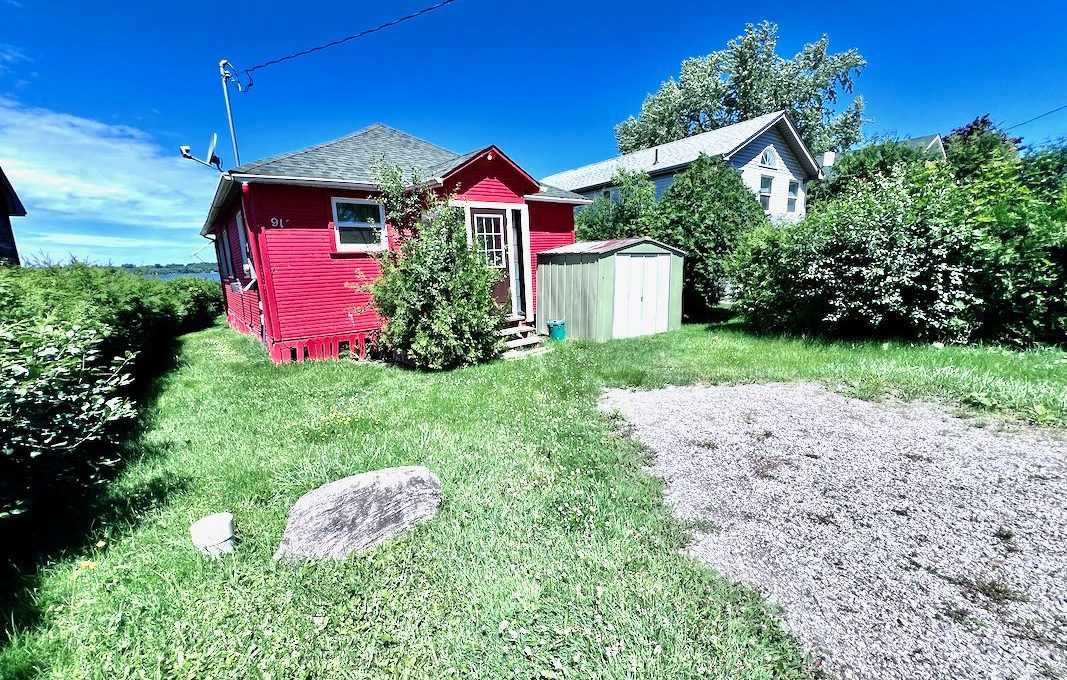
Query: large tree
(749, 79)
(705, 212)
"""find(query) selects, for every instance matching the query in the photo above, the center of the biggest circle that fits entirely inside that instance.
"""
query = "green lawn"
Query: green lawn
(552, 556)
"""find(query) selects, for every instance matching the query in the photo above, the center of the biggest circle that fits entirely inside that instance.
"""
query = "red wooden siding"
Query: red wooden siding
(494, 181)
(314, 288)
(312, 297)
(551, 226)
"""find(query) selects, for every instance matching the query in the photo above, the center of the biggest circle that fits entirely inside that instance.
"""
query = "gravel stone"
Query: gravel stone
(898, 540)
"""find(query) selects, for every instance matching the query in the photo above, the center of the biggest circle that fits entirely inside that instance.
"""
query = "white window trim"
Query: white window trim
(774, 154)
(338, 225)
(792, 199)
(770, 191)
(529, 264)
(505, 242)
(225, 255)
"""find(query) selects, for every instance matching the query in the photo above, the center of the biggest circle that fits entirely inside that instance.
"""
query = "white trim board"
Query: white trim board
(524, 216)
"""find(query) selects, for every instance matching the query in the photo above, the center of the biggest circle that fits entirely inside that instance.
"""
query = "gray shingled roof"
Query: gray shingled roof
(548, 191)
(926, 144)
(720, 142)
(353, 158)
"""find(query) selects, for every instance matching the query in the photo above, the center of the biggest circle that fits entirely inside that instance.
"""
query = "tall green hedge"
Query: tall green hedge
(920, 253)
(75, 342)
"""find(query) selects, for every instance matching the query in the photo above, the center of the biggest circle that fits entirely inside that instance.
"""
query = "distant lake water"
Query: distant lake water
(198, 275)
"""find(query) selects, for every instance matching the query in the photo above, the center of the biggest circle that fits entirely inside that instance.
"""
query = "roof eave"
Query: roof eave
(557, 199)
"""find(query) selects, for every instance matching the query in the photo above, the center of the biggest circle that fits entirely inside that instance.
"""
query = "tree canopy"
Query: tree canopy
(749, 79)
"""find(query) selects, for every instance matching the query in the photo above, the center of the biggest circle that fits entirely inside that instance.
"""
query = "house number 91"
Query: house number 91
(277, 222)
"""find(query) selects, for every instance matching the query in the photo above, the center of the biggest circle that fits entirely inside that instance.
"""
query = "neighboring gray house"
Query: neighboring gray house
(773, 161)
(10, 206)
(931, 145)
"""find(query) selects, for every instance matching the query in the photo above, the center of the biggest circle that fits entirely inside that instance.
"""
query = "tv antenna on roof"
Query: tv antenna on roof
(212, 161)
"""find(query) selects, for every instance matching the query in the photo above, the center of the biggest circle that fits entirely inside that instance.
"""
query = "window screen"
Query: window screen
(489, 237)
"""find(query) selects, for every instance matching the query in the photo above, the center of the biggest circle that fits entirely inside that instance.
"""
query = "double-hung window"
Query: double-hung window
(359, 225)
(766, 184)
(794, 191)
(247, 270)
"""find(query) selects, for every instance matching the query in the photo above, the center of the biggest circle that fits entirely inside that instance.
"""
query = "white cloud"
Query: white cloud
(9, 54)
(68, 168)
(94, 241)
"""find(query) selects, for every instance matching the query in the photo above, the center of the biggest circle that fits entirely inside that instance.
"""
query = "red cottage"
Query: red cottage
(294, 235)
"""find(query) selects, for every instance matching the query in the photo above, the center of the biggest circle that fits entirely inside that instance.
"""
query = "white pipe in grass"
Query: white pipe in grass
(213, 535)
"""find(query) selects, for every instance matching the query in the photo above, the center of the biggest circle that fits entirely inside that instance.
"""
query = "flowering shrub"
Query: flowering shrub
(916, 253)
(885, 260)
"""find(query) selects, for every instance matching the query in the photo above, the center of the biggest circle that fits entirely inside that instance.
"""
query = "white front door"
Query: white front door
(642, 294)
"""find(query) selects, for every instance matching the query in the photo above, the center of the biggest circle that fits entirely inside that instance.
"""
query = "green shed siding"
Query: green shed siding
(580, 289)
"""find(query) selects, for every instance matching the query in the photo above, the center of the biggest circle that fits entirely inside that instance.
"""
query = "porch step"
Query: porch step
(521, 329)
(523, 342)
(513, 354)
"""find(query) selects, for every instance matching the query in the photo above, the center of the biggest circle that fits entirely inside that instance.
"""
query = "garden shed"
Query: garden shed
(603, 290)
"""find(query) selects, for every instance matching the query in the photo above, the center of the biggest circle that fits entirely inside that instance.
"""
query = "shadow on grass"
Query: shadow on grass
(64, 520)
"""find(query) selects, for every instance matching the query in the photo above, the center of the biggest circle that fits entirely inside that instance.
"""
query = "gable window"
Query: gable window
(794, 191)
(489, 237)
(769, 158)
(766, 183)
(359, 225)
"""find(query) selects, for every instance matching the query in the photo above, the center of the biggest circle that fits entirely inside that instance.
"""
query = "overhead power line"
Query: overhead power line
(319, 48)
(1046, 113)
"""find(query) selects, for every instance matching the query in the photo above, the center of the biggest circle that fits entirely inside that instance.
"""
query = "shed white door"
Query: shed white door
(642, 294)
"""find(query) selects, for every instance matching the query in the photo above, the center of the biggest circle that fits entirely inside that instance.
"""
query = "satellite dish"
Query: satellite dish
(211, 158)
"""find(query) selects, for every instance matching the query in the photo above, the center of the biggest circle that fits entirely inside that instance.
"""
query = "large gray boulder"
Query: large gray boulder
(359, 512)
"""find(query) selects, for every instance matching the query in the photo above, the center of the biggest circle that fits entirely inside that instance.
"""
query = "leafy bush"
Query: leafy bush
(629, 215)
(1021, 253)
(59, 395)
(705, 212)
(1044, 171)
(435, 292)
(887, 259)
(974, 145)
(74, 341)
(862, 165)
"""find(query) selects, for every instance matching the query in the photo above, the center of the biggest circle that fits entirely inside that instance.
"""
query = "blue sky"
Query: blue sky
(96, 97)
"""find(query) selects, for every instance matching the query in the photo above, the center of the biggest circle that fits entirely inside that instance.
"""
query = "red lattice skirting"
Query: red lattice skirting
(346, 346)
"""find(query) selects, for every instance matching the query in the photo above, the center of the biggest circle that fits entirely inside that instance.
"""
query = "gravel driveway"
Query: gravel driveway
(899, 541)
